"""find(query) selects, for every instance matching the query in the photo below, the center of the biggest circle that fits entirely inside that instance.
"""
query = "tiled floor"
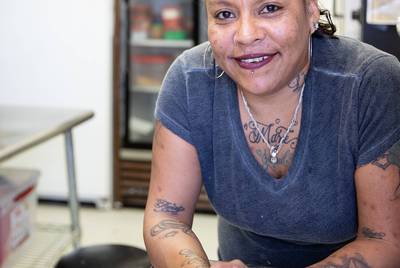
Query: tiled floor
(123, 226)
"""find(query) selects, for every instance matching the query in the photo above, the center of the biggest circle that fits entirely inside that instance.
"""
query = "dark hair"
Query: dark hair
(326, 25)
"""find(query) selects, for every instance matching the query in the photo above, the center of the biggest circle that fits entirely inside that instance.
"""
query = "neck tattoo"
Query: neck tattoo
(274, 149)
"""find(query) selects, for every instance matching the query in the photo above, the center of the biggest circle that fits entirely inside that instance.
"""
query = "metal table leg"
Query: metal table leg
(72, 189)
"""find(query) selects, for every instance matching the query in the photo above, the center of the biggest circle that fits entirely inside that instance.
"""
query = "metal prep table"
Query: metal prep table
(22, 128)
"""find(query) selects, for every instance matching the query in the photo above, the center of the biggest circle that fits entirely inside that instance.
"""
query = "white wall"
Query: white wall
(59, 53)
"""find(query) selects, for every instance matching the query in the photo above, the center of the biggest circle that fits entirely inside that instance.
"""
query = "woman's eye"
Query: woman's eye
(270, 9)
(223, 15)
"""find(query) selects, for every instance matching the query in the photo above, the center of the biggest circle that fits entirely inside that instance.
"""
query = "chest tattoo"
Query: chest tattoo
(273, 133)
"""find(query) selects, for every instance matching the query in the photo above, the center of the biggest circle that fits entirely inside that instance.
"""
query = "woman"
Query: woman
(294, 133)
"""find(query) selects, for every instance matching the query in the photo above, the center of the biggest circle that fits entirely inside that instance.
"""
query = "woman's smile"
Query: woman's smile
(254, 61)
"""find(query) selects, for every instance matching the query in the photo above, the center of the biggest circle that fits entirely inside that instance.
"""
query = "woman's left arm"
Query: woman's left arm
(378, 200)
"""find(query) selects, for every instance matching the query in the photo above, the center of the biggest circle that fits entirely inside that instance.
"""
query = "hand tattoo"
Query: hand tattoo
(356, 261)
(168, 207)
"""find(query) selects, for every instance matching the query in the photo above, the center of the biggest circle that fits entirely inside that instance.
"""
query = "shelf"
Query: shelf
(162, 43)
(43, 249)
(146, 89)
(135, 154)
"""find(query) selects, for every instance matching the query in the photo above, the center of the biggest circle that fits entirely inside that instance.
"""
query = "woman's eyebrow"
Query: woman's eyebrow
(219, 2)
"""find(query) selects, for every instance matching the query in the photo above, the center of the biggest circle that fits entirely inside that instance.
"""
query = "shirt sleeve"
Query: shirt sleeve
(379, 108)
(171, 107)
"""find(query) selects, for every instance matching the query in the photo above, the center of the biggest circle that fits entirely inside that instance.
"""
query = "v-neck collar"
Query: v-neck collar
(244, 149)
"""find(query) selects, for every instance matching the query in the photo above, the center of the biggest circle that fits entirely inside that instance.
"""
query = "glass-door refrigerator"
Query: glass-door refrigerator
(156, 32)
(380, 24)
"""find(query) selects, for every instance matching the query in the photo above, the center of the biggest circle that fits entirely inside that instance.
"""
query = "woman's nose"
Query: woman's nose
(248, 31)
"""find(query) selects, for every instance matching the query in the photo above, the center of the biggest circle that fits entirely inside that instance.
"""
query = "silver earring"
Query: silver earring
(216, 71)
(316, 25)
(217, 76)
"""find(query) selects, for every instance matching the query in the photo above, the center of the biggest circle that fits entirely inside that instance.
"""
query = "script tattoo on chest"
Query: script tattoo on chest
(285, 159)
(273, 133)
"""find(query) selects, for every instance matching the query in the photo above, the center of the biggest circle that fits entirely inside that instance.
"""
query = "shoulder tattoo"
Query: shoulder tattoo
(391, 157)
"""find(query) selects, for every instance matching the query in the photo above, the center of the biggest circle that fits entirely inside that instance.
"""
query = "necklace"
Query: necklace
(274, 149)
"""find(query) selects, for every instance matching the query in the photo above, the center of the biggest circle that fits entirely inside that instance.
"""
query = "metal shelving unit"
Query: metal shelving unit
(48, 242)
(162, 43)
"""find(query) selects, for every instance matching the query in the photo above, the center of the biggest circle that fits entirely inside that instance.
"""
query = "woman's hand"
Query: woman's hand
(230, 264)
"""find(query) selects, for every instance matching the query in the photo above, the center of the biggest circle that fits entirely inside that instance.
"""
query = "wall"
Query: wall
(59, 53)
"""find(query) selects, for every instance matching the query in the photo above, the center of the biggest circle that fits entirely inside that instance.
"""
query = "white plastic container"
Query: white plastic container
(18, 202)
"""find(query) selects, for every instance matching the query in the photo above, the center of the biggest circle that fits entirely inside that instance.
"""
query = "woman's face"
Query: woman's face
(261, 44)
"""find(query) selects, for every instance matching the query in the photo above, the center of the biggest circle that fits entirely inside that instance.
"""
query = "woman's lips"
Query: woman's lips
(254, 61)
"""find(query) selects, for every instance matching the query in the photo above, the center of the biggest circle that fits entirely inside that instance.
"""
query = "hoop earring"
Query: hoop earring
(216, 76)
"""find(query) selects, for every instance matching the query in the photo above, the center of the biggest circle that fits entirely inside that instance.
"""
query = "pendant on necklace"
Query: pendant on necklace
(274, 159)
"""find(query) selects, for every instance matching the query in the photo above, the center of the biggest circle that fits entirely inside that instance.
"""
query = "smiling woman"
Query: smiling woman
(283, 124)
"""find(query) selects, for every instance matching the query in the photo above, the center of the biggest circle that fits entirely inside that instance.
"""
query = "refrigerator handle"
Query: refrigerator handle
(356, 15)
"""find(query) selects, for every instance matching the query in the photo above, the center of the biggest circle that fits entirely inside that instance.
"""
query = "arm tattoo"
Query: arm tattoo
(170, 228)
(356, 261)
(191, 259)
(369, 233)
(392, 157)
(168, 207)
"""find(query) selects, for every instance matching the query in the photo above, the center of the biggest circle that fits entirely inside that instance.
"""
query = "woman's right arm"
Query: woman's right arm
(174, 189)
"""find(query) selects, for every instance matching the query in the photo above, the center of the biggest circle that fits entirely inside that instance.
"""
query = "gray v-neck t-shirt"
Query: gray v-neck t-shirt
(350, 116)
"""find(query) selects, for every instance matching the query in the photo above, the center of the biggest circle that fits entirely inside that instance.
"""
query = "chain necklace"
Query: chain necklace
(274, 149)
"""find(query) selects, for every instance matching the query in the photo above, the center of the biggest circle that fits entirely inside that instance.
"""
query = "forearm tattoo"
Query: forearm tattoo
(369, 233)
(162, 205)
(192, 259)
(392, 157)
(170, 228)
(356, 261)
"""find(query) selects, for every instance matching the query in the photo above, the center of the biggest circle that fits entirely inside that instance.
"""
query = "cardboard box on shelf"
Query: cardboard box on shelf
(17, 208)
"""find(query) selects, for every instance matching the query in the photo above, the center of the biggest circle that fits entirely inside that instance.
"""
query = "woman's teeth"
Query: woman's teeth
(254, 60)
